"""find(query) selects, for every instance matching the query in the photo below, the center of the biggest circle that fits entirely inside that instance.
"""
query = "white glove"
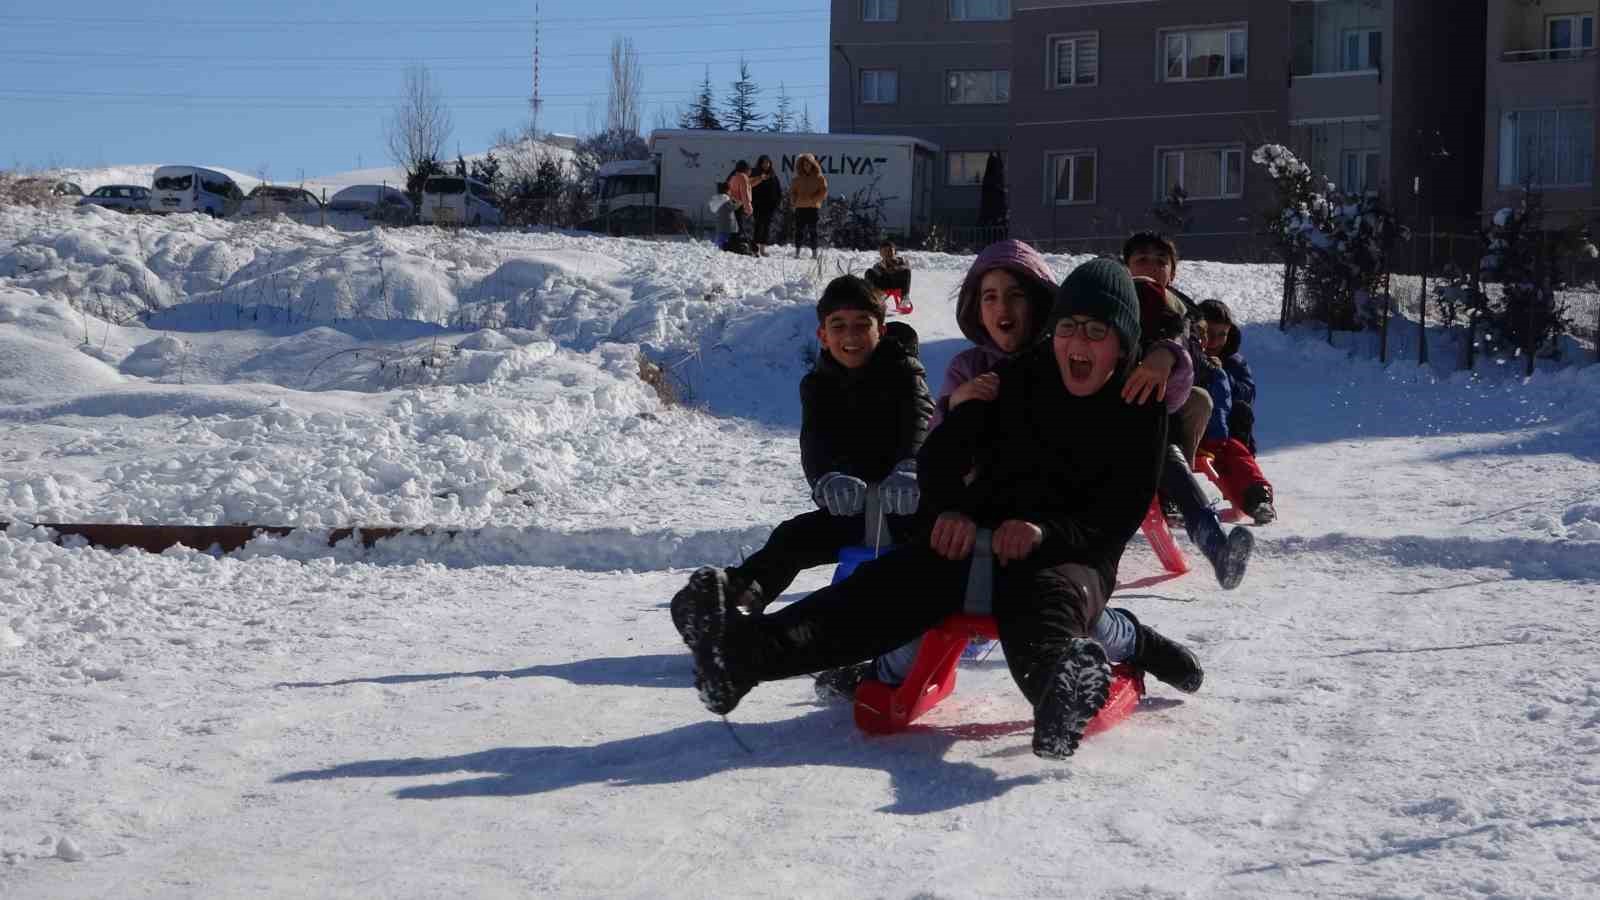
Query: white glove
(841, 494)
(899, 492)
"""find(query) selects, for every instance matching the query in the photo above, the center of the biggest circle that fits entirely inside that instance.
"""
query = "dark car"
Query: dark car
(636, 220)
(124, 197)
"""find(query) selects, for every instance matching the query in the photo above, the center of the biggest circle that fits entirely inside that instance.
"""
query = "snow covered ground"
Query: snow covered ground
(1402, 700)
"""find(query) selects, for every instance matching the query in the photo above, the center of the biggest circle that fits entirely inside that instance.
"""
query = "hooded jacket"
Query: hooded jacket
(1162, 319)
(809, 189)
(863, 421)
(1233, 362)
(1030, 269)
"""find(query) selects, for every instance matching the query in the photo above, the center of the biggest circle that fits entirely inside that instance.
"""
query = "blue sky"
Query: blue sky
(304, 86)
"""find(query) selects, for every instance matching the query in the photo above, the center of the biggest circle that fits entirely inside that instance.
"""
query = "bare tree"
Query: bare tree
(624, 105)
(420, 124)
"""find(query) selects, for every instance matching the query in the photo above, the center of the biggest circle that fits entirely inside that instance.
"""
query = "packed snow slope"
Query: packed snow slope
(1402, 699)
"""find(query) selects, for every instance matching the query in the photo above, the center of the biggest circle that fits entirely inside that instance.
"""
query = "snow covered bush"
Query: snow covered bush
(1525, 260)
(854, 222)
(1337, 243)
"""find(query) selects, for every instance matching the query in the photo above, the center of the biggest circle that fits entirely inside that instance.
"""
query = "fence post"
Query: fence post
(1422, 317)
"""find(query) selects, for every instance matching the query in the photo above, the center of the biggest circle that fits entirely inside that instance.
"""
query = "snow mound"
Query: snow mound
(31, 368)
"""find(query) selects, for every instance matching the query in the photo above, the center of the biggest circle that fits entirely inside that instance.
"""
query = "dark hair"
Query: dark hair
(741, 166)
(763, 158)
(1149, 240)
(1214, 311)
(850, 292)
(886, 243)
(722, 187)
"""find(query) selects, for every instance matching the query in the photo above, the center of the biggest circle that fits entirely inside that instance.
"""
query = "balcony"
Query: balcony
(1548, 55)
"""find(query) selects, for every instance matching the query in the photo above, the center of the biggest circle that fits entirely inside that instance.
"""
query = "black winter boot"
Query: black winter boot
(1258, 504)
(750, 598)
(1073, 694)
(1228, 552)
(1169, 661)
(707, 617)
(839, 685)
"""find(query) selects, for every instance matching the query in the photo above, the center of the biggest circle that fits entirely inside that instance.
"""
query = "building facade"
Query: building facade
(1128, 114)
(1542, 86)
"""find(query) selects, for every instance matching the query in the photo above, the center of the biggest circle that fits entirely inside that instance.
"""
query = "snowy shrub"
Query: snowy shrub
(1338, 243)
(854, 222)
(1524, 259)
(19, 191)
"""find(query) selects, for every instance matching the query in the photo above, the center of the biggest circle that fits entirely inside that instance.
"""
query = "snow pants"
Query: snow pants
(811, 539)
(805, 226)
(891, 600)
(1235, 465)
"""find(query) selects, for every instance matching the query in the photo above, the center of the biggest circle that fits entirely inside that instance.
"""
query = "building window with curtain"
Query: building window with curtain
(1204, 54)
(1547, 148)
(1203, 173)
(1074, 60)
(1070, 177)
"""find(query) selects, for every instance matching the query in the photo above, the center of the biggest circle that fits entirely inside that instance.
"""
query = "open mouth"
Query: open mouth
(1079, 367)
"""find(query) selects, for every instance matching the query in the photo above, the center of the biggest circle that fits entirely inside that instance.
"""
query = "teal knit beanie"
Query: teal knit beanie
(1101, 289)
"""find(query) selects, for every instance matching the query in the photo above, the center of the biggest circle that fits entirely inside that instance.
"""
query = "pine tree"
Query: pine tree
(783, 117)
(741, 112)
(487, 170)
(702, 111)
(805, 119)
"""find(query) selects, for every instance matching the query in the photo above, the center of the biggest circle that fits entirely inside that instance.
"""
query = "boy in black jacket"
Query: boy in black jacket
(1065, 473)
(864, 412)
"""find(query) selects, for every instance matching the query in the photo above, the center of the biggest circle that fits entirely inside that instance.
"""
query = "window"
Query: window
(978, 86)
(966, 167)
(1359, 171)
(1074, 60)
(1070, 177)
(880, 86)
(1209, 53)
(1361, 49)
(1569, 34)
(980, 10)
(1204, 173)
(880, 10)
(1547, 148)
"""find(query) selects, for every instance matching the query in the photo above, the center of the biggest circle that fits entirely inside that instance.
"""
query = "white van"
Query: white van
(453, 200)
(176, 189)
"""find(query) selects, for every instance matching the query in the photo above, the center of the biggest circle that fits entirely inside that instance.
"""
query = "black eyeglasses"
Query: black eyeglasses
(1093, 329)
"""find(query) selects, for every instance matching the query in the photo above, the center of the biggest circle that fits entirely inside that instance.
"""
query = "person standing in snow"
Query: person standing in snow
(1064, 472)
(724, 209)
(1232, 384)
(1002, 307)
(864, 412)
(766, 196)
(739, 190)
(807, 192)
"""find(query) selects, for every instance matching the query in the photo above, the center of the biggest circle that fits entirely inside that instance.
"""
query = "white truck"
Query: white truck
(685, 166)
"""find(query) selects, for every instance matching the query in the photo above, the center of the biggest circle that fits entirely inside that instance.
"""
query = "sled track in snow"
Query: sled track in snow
(1523, 558)
(597, 550)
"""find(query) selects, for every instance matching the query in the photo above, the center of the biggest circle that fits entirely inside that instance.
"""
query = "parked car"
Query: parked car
(273, 199)
(378, 202)
(193, 189)
(636, 220)
(453, 200)
(124, 197)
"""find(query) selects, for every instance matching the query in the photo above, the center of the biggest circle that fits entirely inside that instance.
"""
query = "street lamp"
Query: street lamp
(850, 70)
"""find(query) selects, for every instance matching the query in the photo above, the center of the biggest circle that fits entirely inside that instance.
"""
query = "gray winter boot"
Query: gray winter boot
(1073, 694)
(1227, 551)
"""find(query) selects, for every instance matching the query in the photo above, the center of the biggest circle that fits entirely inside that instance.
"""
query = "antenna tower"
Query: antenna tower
(536, 103)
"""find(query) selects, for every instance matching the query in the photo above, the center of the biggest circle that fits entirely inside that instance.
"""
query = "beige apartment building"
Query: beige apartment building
(1105, 109)
(1543, 81)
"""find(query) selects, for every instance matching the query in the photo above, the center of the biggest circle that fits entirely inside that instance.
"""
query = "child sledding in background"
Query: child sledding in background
(892, 275)
(864, 411)
(1229, 439)
(1002, 308)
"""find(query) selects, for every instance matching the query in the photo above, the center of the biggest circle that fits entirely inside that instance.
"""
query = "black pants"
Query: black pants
(805, 222)
(1242, 424)
(1178, 484)
(763, 227)
(891, 600)
(812, 539)
(740, 217)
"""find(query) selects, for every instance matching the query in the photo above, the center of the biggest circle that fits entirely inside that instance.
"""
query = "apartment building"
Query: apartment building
(1111, 108)
(1543, 81)
(936, 69)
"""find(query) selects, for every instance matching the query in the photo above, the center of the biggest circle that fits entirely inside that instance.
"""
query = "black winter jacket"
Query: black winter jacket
(863, 421)
(767, 196)
(1081, 468)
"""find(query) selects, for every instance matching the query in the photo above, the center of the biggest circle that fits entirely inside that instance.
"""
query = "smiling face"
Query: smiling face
(850, 336)
(1153, 263)
(1004, 310)
(1087, 351)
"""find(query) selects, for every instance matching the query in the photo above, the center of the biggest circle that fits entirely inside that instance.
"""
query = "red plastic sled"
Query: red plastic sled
(1204, 465)
(902, 306)
(882, 709)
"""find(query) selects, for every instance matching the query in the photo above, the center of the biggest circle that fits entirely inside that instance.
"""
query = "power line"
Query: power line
(246, 98)
(334, 66)
(413, 21)
(708, 20)
(387, 57)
